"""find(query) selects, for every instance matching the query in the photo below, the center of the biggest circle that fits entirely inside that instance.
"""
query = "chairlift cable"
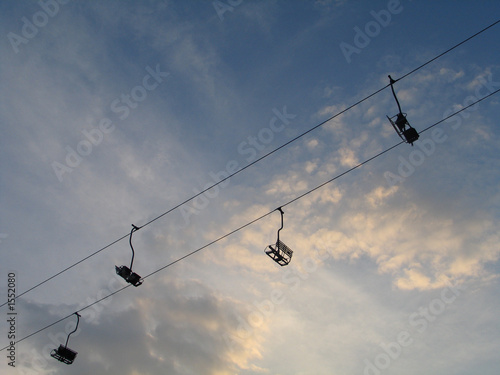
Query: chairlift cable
(67, 316)
(257, 160)
(461, 110)
(389, 149)
(257, 219)
(448, 50)
(69, 267)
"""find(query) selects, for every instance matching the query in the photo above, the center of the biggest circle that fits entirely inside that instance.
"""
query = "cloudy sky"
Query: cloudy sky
(112, 113)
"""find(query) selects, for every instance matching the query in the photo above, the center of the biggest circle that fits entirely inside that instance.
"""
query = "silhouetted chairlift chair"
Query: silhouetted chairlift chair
(400, 123)
(63, 353)
(124, 271)
(279, 252)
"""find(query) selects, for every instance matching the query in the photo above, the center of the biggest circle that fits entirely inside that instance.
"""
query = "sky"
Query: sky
(113, 113)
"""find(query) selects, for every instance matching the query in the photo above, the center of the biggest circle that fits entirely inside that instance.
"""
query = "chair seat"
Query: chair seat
(128, 275)
(410, 135)
(134, 279)
(280, 253)
(64, 354)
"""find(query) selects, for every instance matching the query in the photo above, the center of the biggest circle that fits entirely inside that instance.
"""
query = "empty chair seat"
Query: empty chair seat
(64, 354)
(280, 253)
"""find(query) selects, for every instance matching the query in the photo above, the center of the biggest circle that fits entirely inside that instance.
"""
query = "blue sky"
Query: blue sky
(113, 113)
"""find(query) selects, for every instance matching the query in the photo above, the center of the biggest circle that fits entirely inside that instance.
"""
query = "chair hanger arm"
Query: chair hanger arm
(282, 213)
(134, 228)
(392, 81)
(77, 322)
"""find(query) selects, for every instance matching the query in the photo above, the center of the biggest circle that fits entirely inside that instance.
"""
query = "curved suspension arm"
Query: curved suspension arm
(393, 93)
(77, 322)
(282, 213)
(134, 228)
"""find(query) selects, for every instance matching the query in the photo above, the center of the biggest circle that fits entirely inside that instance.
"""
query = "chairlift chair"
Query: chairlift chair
(279, 252)
(399, 122)
(126, 272)
(63, 353)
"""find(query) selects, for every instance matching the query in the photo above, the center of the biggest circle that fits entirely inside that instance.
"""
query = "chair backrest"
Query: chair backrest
(401, 121)
(123, 271)
(284, 249)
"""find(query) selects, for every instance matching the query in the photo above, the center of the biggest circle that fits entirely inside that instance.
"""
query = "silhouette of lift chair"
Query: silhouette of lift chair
(279, 252)
(63, 353)
(126, 272)
(399, 122)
